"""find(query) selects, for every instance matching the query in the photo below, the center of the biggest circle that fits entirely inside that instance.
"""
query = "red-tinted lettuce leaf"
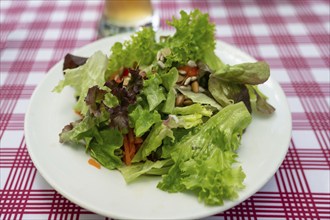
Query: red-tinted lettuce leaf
(72, 61)
(244, 97)
(119, 118)
(263, 106)
(126, 96)
(94, 98)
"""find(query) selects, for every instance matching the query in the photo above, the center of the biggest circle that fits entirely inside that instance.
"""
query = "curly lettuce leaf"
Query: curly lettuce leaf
(140, 49)
(83, 77)
(204, 160)
(213, 178)
(194, 39)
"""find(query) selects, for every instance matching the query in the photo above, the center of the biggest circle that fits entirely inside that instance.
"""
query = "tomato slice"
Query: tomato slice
(125, 72)
(191, 71)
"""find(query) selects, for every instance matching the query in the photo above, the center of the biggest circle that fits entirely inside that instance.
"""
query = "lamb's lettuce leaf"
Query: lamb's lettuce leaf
(244, 73)
(259, 101)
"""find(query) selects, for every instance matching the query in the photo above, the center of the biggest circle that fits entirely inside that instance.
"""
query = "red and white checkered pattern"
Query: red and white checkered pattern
(292, 36)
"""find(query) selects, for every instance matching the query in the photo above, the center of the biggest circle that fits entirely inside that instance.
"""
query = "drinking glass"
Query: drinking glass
(121, 16)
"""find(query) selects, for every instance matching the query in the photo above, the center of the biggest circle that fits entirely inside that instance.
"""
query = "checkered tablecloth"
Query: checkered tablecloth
(292, 36)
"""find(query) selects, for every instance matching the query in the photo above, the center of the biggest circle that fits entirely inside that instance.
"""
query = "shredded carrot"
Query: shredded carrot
(127, 158)
(138, 140)
(94, 163)
(137, 146)
(131, 135)
(131, 145)
(132, 149)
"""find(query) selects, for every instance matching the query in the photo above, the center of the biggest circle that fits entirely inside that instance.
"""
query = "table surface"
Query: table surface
(292, 36)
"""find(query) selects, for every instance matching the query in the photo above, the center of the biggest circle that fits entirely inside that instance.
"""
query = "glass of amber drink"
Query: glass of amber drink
(121, 16)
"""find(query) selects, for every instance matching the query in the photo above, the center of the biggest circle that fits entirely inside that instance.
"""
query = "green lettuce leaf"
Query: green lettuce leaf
(82, 78)
(110, 100)
(212, 60)
(213, 178)
(192, 109)
(169, 79)
(133, 171)
(153, 90)
(244, 73)
(259, 101)
(204, 160)
(142, 119)
(103, 145)
(199, 97)
(227, 93)
(81, 131)
(169, 102)
(184, 121)
(158, 132)
(107, 150)
(194, 39)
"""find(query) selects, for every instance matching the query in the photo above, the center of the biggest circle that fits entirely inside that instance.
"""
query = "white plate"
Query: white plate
(264, 146)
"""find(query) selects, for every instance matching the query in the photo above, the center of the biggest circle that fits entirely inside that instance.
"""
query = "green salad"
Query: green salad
(167, 107)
